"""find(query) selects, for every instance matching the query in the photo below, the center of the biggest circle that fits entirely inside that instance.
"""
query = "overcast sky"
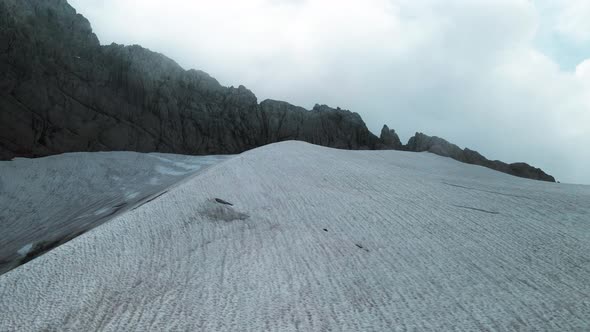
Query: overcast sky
(509, 78)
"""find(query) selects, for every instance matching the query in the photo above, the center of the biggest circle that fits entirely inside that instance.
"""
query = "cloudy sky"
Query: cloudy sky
(509, 78)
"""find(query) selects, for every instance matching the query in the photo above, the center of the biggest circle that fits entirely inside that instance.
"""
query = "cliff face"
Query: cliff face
(61, 91)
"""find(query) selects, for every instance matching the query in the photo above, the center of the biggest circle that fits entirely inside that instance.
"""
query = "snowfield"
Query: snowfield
(320, 239)
(48, 201)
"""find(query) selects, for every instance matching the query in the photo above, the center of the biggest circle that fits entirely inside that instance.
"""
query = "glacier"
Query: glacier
(47, 201)
(321, 239)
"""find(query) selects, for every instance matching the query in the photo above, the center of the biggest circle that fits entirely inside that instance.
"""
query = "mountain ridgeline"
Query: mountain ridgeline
(61, 91)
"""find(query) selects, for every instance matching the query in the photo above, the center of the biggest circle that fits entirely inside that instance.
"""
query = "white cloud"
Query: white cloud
(464, 70)
(583, 70)
(573, 19)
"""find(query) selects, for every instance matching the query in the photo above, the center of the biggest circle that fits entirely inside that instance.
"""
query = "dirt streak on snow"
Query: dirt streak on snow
(321, 239)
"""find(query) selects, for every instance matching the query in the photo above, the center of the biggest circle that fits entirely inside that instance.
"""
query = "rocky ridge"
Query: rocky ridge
(61, 91)
(439, 146)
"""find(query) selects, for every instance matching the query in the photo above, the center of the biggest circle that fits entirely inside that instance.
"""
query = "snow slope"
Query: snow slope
(321, 239)
(47, 201)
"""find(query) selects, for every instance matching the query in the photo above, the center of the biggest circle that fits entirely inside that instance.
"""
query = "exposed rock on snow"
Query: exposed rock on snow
(219, 200)
(430, 265)
(216, 210)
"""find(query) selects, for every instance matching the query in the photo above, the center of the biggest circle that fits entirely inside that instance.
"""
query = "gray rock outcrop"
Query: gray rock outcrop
(390, 139)
(61, 91)
(439, 146)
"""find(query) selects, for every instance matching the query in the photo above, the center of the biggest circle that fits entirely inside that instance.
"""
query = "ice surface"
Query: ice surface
(102, 211)
(321, 239)
(131, 195)
(46, 201)
(169, 171)
(25, 249)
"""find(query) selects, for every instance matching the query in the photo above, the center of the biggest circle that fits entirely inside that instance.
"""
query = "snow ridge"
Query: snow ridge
(330, 240)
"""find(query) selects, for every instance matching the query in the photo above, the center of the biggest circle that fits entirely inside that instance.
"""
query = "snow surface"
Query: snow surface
(51, 200)
(321, 239)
